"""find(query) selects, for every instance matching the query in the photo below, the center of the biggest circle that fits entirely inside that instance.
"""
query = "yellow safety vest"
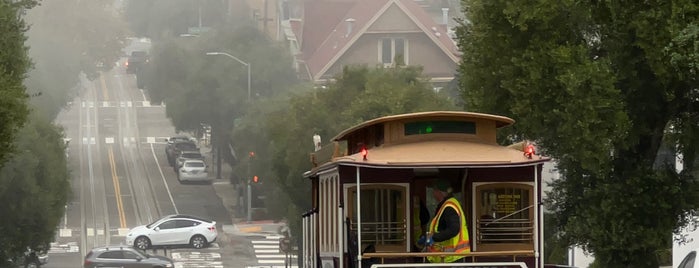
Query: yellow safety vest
(459, 243)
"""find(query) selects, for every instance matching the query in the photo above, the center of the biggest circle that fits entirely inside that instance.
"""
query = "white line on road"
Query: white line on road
(164, 181)
(265, 246)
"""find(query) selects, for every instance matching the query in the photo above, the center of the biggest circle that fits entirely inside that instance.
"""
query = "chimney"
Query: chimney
(445, 16)
(350, 22)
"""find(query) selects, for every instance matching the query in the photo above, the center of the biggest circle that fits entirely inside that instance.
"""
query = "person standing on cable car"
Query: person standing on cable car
(448, 231)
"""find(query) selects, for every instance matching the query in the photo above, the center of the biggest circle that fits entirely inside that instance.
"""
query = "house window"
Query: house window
(505, 216)
(384, 211)
(393, 51)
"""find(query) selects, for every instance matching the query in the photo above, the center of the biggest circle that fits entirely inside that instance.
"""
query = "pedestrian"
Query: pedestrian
(448, 231)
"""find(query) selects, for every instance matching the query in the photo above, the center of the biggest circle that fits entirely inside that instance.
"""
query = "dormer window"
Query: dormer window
(431, 127)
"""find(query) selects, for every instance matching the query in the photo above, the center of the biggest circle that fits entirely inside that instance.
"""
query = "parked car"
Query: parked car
(174, 148)
(187, 155)
(125, 257)
(173, 139)
(193, 170)
(690, 260)
(174, 230)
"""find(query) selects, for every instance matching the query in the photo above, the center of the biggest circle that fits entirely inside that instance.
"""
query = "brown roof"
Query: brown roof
(436, 154)
(325, 38)
(500, 121)
(320, 17)
(419, 14)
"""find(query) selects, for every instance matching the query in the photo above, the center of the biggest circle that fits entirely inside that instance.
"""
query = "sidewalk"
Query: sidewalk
(223, 187)
(231, 197)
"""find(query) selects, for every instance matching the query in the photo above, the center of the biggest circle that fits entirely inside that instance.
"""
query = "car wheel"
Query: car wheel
(142, 243)
(32, 264)
(198, 242)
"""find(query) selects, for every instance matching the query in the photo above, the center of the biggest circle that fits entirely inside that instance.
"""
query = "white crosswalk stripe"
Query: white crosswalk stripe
(268, 253)
(197, 259)
(69, 247)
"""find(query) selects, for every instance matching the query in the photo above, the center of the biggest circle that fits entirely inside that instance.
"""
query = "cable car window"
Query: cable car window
(504, 214)
(383, 215)
(430, 127)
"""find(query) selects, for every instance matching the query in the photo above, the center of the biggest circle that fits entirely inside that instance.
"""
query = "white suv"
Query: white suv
(174, 230)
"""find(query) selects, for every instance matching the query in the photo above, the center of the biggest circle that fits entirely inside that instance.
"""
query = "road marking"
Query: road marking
(64, 232)
(267, 252)
(150, 140)
(117, 188)
(152, 149)
(251, 229)
(109, 140)
(104, 87)
(197, 259)
(70, 247)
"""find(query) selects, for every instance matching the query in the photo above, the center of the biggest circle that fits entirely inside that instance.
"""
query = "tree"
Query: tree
(212, 89)
(68, 38)
(163, 19)
(599, 86)
(34, 189)
(14, 64)
(282, 128)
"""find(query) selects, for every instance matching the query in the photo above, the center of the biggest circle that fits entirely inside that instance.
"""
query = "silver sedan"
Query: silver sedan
(193, 170)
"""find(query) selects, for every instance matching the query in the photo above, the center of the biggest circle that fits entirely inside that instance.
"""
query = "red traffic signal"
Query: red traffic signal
(251, 154)
(255, 179)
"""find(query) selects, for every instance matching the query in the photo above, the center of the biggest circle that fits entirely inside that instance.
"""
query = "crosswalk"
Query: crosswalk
(197, 259)
(268, 253)
(122, 104)
(70, 247)
(125, 140)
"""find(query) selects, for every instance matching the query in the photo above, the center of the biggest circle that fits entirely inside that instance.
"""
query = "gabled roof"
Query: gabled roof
(327, 21)
(320, 17)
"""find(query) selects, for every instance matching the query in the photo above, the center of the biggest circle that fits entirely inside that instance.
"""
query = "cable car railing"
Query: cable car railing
(382, 233)
(505, 231)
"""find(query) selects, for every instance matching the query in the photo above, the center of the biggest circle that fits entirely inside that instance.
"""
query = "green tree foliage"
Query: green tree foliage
(285, 126)
(14, 64)
(597, 85)
(213, 89)
(162, 19)
(67, 38)
(34, 188)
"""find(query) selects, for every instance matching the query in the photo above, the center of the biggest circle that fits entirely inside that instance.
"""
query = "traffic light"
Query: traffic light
(255, 179)
(251, 154)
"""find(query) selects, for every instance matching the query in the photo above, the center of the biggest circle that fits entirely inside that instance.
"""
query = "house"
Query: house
(325, 35)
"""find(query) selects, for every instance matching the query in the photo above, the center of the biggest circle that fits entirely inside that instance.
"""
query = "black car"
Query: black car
(125, 257)
(136, 61)
(173, 149)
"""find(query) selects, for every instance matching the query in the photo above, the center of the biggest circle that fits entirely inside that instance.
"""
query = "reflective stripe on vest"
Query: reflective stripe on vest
(459, 243)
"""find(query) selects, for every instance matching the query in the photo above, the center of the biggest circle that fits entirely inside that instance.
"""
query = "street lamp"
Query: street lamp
(237, 59)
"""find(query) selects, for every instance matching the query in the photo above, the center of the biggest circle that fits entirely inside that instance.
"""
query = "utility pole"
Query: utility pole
(264, 23)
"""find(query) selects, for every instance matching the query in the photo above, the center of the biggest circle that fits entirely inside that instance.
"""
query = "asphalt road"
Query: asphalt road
(121, 179)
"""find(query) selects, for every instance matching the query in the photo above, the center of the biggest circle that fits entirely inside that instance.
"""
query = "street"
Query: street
(121, 179)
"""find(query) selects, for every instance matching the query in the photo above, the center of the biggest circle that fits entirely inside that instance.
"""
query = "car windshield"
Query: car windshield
(194, 164)
(191, 155)
(186, 146)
